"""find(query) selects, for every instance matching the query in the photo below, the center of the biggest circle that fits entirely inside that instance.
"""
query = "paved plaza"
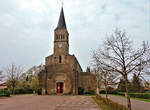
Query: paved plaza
(31, 102)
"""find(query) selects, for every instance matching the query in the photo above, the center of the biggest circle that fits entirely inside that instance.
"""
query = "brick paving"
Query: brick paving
(31, 102)
(78, 103)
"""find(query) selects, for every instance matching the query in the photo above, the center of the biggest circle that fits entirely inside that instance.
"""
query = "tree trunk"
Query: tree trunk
(106, 92)
(13, 88)
(97, 89)
(127, 94)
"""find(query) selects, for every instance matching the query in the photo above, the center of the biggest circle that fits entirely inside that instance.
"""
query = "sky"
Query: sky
(27, 27)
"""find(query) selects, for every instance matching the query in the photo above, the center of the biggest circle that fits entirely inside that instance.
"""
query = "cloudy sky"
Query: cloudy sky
(27, 27)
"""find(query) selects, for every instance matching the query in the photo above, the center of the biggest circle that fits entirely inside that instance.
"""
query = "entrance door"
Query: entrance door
(59, 87)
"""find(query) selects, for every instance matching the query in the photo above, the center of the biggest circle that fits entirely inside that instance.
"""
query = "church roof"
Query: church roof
(61, 23)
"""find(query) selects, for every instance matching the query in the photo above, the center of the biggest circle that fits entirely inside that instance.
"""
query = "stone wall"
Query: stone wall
(88, 81)
(67, 72)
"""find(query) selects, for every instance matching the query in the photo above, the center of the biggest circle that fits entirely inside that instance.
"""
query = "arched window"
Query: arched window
(60, 59)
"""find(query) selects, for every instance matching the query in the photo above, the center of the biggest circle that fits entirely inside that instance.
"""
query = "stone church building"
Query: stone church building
(63, 73)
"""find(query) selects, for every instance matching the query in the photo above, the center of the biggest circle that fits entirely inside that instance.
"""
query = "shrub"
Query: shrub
(102, 92)
(39, 91)
(80, 91)
(136, 95)
(121, 93)
(91, 92)
(140, 95)
(23, 91)
(4, 92)
(109, 92)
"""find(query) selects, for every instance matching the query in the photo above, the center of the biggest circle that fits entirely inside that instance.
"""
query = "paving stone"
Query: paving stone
(81, 103)
(32, 102)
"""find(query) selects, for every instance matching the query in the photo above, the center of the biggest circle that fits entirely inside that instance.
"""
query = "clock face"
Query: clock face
(59, 45)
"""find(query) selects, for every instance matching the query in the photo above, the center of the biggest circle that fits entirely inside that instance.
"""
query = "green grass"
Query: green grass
(141, 99)
(101, 104)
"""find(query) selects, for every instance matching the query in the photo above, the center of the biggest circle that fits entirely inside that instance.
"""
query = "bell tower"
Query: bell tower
(61, 37)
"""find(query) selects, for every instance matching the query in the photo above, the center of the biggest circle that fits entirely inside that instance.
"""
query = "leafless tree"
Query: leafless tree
(1, 76)
(98, 79)
(108, 79)
(119, 55)
(104, 77)
(13, 74)
(143, 69)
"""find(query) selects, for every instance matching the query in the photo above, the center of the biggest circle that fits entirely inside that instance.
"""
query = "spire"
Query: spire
(61, 22)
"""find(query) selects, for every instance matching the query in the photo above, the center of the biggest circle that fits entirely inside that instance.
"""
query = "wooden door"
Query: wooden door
(60, 87)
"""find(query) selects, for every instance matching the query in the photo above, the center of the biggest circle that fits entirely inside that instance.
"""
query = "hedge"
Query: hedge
(134, 95)
(91, 92)
(140, 95)
(112, 104)
(22, 91)
(4, 92)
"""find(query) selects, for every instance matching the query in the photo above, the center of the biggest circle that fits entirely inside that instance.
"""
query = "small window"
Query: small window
(60, 59)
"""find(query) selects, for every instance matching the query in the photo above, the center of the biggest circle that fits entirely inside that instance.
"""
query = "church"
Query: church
(63, 73)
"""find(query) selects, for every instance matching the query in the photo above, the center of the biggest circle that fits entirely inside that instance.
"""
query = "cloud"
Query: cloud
(27, 26)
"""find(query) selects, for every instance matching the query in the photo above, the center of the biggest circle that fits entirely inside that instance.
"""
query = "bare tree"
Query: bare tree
(1, 76)
(98, 79)
(118, 55)
(104, 77)
(13, 74)
(143, 69)
(108, 79)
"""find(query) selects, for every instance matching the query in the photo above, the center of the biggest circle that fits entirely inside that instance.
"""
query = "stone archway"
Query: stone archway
(60, 80)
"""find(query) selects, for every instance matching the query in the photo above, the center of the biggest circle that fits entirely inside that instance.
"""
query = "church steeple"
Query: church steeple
(61, 37)
(61, 23)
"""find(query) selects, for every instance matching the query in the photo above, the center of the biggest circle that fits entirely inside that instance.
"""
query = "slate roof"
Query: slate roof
(61, 22)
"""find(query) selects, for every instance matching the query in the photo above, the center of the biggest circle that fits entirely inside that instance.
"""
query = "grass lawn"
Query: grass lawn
(141, 99)
(147, 100)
